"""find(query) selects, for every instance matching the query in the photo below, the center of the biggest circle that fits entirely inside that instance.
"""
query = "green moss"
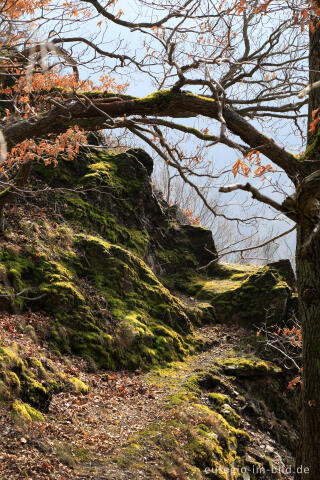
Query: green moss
(34, 414)
(18, 380)
(242, 436)
(101, 173)
(10, 361)
(92, 212)
(203, 452)
(238, 293)
(181, 398)
(78, 385)
(35, 393)
(25, 413)
(68, 295)
(20, 411)
(244, 294)
(312, 146)
(230, 415)
(5, 393)
(164, 96)
(152, 324)
(103, 94)
(215, 444)
(218, 399)
(26, 382)
(37, 365)
(246, 367)
(82, 454)
(192, 384)
(13, 381)
(156, 97)
(208, 313)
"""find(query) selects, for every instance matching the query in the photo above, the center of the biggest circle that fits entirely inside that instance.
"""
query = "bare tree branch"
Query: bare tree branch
(260, 197)
(247, 249)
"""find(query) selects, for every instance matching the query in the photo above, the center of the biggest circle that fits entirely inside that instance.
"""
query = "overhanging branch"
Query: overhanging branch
(257, 195)
(163, 104)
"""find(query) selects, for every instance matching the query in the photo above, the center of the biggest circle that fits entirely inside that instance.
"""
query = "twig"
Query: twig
(20, 295)
(259, 196)
(247, 248)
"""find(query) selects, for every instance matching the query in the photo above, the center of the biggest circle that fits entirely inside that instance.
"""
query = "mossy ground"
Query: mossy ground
(204, 433)
(81, 250)
(28, 384)
(83, 261)
(244, 295)
(189, 419)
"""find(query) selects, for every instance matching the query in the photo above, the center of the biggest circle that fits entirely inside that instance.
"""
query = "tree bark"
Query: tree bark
(163, 104)
(308, 276)
(314, 72)
(308, 279)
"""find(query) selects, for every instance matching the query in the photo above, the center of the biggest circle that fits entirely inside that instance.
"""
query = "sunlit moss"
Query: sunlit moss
(25, 413)
(78, 385)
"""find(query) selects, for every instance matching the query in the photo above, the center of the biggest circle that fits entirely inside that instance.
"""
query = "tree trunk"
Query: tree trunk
(308, 277)
(314, 71)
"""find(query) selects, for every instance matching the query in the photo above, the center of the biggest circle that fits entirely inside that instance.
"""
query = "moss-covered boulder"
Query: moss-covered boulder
(249, 367)
(104, 256)
(17, 379)
(188, 247)
(105, 301)
(23, 412)
(22, 383)
(244, 295)
(78, 385)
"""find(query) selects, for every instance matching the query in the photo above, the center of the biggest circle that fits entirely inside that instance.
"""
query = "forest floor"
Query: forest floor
(83, 436)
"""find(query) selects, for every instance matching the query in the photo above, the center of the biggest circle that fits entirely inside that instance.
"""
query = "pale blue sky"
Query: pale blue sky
(140, 85)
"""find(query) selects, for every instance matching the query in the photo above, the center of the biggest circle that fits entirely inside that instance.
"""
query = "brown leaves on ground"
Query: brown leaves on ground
(78, 428)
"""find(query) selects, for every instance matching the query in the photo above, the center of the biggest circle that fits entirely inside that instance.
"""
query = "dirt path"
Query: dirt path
(146, 405)
(82, 434)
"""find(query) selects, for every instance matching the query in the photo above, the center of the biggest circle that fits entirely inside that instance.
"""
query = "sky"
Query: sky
(140, 85)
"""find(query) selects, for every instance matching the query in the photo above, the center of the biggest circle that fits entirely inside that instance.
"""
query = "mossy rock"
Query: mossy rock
(25, 379)
(139, 312)
(230, 415)
(248, 367)
(78, 385)
(244, 294)
(218, 399)
(143, 323)
(23, 412)
(208, 380)
(118, 190)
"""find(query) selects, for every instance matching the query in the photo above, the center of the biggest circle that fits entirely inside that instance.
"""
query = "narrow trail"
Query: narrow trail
(84, 435)
(127, 415)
